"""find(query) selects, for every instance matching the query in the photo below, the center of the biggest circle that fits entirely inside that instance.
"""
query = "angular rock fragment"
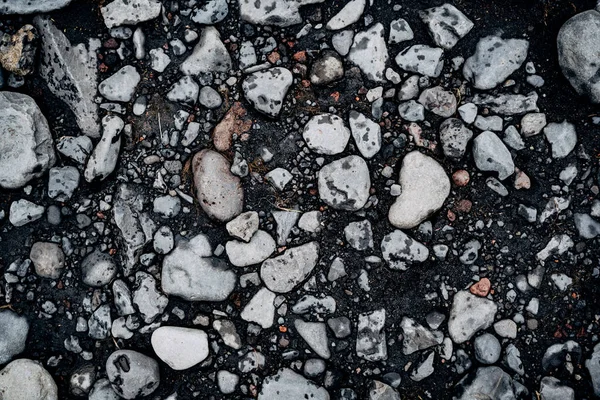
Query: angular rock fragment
(121, 85)
(454, 136)
(489, 383)
(258, 249)
(260, 309)
(130, 12)
(562, 138)
(192, 273)
(283, 273)
(208, 56)
(468, 315)
(366, 134)
(31, 6)
(400, 250)
(491, 154)
(348, 15)
(369, 52)
(280, 13)
(494, 60)
(328, 68)
(417, 337)
(447, 25)
(421, 59)
(344, 184)
(287, 384)
(400, 31)
(219, 193)
(266, 90)
(14, 330)
(104, 158)
(425, 187)
(24, 211)
(315, 335)
(210, 12)
(243, 226)
(62, 182)
(71, 73)
(147, 298)
(508, 104)
(132, 374)
(26, 145)
(184, 91)
(371, 344)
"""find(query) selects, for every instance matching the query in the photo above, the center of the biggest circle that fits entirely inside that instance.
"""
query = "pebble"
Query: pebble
(416, 337)
(348, 15)
(266, 90)
(14, 330)
(425, 187)
(562, 138)
(260, 309)
(342, 41)
(370, 337)
(283, 273)
(129, 12)
(104, 158)
(532, 124)
(209, 98)
(491, 382)
(411, 111)
(487, 348)
(25, 379)
(315, 335)
(286, 384)
(369, 52)
(359, 235)
(227, 381)
(593, 366)
(180, 348)
(279, 178)
(48, 259)
(185, 91)
(210, 12)
(455, 137)
(400, 250)
(366, 134)
(506, 328)
(491, 154)
(98, 269)
(421, 59)
(587, 227)
(243, 226)
(209, 55)
(258, 249)
(328, 68)
(400, 31)
(447, 25)
(344, 184)
(438, 101)
(121, 85)
(310, 221)
(468, 315)
(551, 389)
(132, 374)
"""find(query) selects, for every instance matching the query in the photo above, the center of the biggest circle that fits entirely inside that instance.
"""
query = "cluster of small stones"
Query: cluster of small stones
(211, 204)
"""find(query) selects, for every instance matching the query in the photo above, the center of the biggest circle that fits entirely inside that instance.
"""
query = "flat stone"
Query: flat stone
(130, 12)
(279, 178)
(344, 184)
(371, 344)
(494, 60)
(121, 85)
(190, 272)
(491, 154)
(32, 7)
(180, 348)
(48, 259)
(468, 315)
(62, 182)
(369, 52)
(227, 381)
(159, 60)
(287, 384)
(366, 134)
(166, 206)
(447, 25)
(416, 337)
(209, 98)
(381, 391)
(359, 235)
(266, 90)
(342, 41)
(439, 101)
(280, 13)
(315, 335)
(400, 31)
(490, 383)
(26, 145)
(209, 55)
(422, 60)
(98, 269)
(578, 46)
(285, 220)
(210, 12)
(411, 111)
(14, 330)
(185, 91)
(24, 211)
(310, 221)
(260, 309)
(132, 374)
(242, 254)
(25, 379)
(283, 273)
(508, 104)
(532, 124)
(348, 15)
(425, 187)
(551, 389)
(326, 134)
(562, 138)
(400, 250)
(77, 148)
(218, 191)
(424, 369)
(163, 241)
(243, 226)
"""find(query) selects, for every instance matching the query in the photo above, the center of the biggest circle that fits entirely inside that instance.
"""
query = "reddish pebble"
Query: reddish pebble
(111, 44)
(463, 206)
(522, 181)
(451, 216)
(273, 57)
(300, 56)
(481, 288)
(461, 178)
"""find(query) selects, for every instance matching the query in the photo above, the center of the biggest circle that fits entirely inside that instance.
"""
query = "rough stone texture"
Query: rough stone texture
(366, 134)
(132, 374)
(258, 249)
(425, 187)
(48, 259)
(562, 138)
(283, 273)
(371, 344)
(454, 136)
(209, 55)
(491, 154)
(349, 14)
(130, 12)
(593, 366)
(25, 379)
(219, 192)
(326, 134)
(315, 335)
(260, 309)
(14, 330)
(191, 272)
(17, 52)
(71, 73)
(288, 385)
(489, 383)
(180, 348)
(421, 59)
(369, 52)
(266, 90)
(578, 47)
(233, 123)
(344, 184)
(439, 101)
(121, 85)
(31, 6)
(494, 60)
(468, 315)
(400, 250)
(26, 145)
(104, 158)
(447, 25)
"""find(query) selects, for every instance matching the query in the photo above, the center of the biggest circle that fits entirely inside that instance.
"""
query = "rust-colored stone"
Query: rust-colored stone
(461, 178)
(481, 288)
(234, 122)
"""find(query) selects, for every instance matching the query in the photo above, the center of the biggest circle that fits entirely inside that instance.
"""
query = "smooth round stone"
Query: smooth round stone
(25, 379)
(132, 374)
(326, 134)
(242, 254)
(13, 335)
(425, 187)
(48, 259)
(180, 348)
(98, 269)
(487, 348)
(344, 184)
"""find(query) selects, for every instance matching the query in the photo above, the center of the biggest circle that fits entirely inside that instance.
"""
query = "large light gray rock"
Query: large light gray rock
(24, 211)
(344, 184)
(578, 47)
(266, 90)
(371, 344)
(218, 191)
(104, 158)
(551, 389)
(489, 383)
(562, 138)
(121, 85)
(210, 12)
(507, 103)
(277, 12)
(421, 59)
(26, 145)
(447, 25)
(71, 73)
(283, 273)
(425, 187)
(326, 134)
(468, 315)
(369, 52)
(315, 335)
(400, 250)
(366, 134)
(132, 374)
(288, 385)
(31, 6)
(25, 379)
(130, 12)
(181, 348)
(491, 154)
(14, 330)
(192, 273)
(258, 249)
(209, 55)
(348, 15)
(494, 60)
(260, 309)
(48, 259)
